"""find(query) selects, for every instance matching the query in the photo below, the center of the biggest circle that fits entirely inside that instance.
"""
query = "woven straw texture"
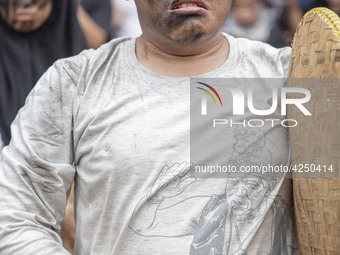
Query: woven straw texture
(316, 139)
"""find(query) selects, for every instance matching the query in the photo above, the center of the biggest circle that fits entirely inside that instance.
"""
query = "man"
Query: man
(116, 120)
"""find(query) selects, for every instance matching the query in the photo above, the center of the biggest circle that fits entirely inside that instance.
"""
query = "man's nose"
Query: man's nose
(241, 192)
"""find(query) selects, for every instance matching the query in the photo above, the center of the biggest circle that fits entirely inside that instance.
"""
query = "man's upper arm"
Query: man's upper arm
(37, 168)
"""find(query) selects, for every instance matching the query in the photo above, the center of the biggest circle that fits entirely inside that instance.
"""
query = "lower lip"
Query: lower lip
(193, 10)
(24, 17)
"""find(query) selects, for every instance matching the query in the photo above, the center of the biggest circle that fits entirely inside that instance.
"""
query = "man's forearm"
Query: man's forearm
(28, 239)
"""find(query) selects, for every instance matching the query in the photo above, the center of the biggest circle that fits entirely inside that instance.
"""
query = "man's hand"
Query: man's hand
(171, 182)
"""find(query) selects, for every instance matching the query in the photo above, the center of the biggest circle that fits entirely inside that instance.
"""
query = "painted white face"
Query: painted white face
(245, 195)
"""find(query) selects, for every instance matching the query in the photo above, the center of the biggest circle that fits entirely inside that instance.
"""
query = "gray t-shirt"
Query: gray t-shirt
(122, 132)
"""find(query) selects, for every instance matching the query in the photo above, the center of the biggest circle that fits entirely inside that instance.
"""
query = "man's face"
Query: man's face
(182, 20)
(25, 15)
(244, 195)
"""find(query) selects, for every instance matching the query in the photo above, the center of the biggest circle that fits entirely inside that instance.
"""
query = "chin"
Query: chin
(25, 29)
(189, 39)
(241, 217)
(187, 36)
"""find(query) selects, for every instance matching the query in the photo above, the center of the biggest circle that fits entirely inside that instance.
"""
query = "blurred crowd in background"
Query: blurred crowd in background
(66, 27)
(271, 21)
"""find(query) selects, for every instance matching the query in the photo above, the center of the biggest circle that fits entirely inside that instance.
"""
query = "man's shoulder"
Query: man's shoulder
(91, 59)
(257, 46)
(266, 59)
(113, 46)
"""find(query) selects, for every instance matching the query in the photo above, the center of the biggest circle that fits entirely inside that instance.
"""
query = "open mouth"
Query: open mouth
(187, 6)
(240, 205)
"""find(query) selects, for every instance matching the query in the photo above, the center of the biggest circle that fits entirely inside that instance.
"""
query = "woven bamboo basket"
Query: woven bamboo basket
(316, 139)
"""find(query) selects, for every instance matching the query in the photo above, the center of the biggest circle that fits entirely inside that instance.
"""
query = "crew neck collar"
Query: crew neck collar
(137, 68)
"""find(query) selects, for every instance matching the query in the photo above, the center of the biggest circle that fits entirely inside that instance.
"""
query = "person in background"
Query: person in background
(94, 17)
(269, 21)
(334, 5)
(125, 19)
(307, 5)
(289, 19)
(34, 34)
(254, 20)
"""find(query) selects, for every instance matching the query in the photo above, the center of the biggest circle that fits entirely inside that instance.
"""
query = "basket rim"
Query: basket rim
(328, 14)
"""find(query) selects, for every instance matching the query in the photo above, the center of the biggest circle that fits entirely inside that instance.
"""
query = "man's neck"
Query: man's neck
(201, 61)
